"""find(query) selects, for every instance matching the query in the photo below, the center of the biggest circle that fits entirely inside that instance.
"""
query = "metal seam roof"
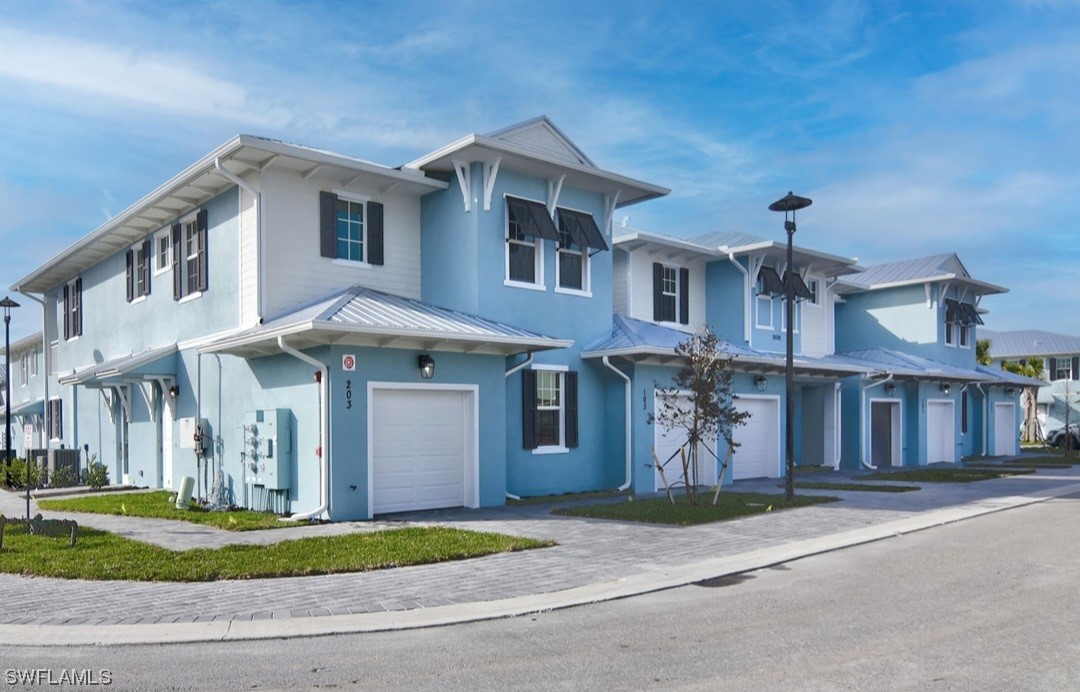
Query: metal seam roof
(1029, 342)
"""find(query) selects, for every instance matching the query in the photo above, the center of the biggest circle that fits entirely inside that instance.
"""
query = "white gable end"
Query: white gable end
(540, 136)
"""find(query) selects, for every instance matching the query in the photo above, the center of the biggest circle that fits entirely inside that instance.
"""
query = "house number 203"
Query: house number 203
(348, 394)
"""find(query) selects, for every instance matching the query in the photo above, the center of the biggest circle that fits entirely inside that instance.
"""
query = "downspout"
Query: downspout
(44, 364)
(862, 412)
(528, 360)
(257, 196)
(986, 412)
(629, 455)
(746, 296)
(322, 375)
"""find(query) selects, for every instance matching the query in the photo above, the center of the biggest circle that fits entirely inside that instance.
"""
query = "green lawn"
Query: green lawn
(1039, 463)
(156, 505)
(813, 468)
(661, 511)
(967, 475)
(866, 487)
(99, 555)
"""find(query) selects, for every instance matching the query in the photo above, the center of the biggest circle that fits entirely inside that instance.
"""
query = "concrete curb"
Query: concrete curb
(646, 582)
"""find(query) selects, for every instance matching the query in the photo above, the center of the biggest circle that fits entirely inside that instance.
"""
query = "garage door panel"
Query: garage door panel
(940, 432)
(759, 442)
(418, 449)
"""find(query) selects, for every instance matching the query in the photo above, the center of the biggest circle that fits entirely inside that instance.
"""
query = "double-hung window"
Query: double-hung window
(671, 294)
(72, 303)
(528, 224)
(138, 270)
(572, 261)
(190, 260)
(162, 252)
(55, 423)
(350, 228)
(578, 236)
(549, 409)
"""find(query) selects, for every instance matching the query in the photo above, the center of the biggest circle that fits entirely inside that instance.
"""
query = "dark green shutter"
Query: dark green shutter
(1076, 368)
(657, 290)
(374, 233)
(528, 409)
(67, 311)
(684, 296)
(328, 224)
(177, 274)
(130, 275)
(570, 399)
(148, 260)
(204, 281)
(77, 326)
(1051, 366)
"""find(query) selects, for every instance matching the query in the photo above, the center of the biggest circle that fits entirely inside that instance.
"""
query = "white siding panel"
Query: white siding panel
(640, 289)
(619, 277)
(249, 270)
(815, 322)
(296, 273)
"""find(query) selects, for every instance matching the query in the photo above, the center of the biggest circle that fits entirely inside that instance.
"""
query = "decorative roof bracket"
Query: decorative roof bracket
(491, 172)
(462, 171)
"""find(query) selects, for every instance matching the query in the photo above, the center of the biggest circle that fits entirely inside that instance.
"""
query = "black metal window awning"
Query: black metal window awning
(581, 228)
(531, 218)
(802, 292)
(771, 284)
(961, 313)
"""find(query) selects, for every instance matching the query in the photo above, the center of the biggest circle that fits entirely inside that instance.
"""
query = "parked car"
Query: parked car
(1059, 437)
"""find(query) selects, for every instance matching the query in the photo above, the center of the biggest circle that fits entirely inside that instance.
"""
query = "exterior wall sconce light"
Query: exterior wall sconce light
(427, 366)
(761, 383)
(174, 392)
(1009, 391)
(946, 388)
(890, 389)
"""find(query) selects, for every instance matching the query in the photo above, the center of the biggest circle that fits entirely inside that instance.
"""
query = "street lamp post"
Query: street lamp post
(790, 204)
(7, 304)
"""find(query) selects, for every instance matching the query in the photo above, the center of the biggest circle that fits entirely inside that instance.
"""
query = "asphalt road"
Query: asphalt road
(989, 603)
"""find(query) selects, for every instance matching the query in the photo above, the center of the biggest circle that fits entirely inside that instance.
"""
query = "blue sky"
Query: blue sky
(917, 128)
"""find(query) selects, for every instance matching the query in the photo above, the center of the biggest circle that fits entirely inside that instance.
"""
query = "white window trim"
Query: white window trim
(950, 335)
(963, 329)
(817, 301)
(538, 255)
(759, 300)
(357, 199)
(71, 301)
(138, 299)
(586, 266)
(573, 292)
(48, 420)
(190, 218)
(797, 315)
(560, 448)
(165, 233)
(190, 297)
(676, 324)
(136, 273)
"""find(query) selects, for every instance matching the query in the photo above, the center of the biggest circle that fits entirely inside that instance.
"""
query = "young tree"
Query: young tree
(707, 412)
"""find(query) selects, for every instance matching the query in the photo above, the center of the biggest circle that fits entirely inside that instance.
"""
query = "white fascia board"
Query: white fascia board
(665, 241)
(983, 287)
(849, 265)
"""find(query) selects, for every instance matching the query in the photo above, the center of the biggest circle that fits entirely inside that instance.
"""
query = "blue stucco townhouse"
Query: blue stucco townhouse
(309, 332)
(915, 323)
(27, 394)
(1060, 354)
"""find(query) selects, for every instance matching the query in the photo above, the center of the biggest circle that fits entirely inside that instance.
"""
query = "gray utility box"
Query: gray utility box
(268, 448)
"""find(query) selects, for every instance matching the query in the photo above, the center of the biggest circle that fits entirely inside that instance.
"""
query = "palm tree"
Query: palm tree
(982, 351)
(1033, 368)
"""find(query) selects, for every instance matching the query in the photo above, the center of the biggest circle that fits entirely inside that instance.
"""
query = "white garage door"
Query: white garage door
(759, 440)
(420, 455)
(940, 432)
(667, 443)
(1005, 429)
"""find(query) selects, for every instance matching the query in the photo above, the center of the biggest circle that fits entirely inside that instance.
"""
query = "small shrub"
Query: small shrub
(63, 477)
(15, 474)
(96, 476)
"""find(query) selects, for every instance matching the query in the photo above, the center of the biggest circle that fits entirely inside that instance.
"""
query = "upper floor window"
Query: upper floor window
(73, 312)
(350, 228)
(54, 423)
(162, 252)
(549, 401)
(138, 270)
(812, 286)
(1061, 369)
(769, 285)
(527, 224)
(671, 294)
(959, 320)
(190, 256)
(573, 260)
(28, 366)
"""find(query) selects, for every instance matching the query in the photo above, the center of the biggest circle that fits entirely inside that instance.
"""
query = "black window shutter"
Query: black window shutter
(177, 275)
(528, 409)
(204, 281)
(570, 394)
(148, 259)
(1076, 368)
(328, 224)
(1052, 368)
(684, 296)
(130, 275)
(67, 311)
(77, 327)
(657, 289)
(375, 233)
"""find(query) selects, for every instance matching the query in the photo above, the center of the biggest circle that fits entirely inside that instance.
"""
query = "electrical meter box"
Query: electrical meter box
(268, 448)
(188, 428)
